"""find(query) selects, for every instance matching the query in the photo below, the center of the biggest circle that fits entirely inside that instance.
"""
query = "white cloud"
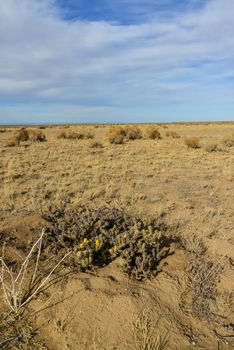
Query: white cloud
(45, 58)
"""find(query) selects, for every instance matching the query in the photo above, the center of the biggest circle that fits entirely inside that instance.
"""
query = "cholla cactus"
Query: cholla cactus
(98, 236)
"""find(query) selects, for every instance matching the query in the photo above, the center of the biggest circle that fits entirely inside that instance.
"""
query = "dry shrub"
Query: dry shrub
(18, 136)
(133, 133)
(153, 133)
(116, 135)
(3, 130)
(71, 135)
(194, 244)
(212, 147)
(192, 142)
(26, 135)
(61, 135)
(172, 134)
(229, 141)
(204, 276)
(36, 135)
(95, 144)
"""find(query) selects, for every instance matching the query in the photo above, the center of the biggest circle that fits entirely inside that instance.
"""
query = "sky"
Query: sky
(114, 61)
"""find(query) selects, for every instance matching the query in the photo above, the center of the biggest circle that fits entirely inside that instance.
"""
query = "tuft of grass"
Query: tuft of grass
(192, 142)
(145, 334)
(153, 133)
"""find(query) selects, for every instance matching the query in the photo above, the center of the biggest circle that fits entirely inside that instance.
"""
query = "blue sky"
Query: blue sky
(116, 60)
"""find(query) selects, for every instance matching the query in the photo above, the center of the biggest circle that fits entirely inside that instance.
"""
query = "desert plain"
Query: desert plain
(137, 238)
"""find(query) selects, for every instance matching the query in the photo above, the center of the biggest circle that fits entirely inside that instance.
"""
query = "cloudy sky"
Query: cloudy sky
(116, 60)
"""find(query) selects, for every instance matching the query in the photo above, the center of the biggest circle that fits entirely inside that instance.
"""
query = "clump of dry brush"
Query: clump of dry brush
(71, 135)
(119, 135)
(22, 135)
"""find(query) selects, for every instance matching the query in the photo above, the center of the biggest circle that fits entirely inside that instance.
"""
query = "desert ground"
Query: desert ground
(117, 242)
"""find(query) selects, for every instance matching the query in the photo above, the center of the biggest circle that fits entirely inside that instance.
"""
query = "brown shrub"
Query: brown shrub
(75, 135)
(95, 144)
(153, 133)
(3, 130)
(36, 135)
(18, 136)
(26, 135)
(172, 134)
(116, 135)
(212, 147)
(61, 135)
(192, 142)
(229, 141)
(133, 133)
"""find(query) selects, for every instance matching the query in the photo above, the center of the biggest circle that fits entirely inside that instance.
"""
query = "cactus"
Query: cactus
(97, 236)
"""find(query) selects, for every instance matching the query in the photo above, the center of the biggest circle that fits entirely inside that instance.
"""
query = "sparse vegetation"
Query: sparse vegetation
(120, 211)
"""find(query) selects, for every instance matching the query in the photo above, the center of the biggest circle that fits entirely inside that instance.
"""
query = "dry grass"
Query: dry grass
(212, 147)
(146, 335)
(172, 134)
(228, 141)
(192, 142)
